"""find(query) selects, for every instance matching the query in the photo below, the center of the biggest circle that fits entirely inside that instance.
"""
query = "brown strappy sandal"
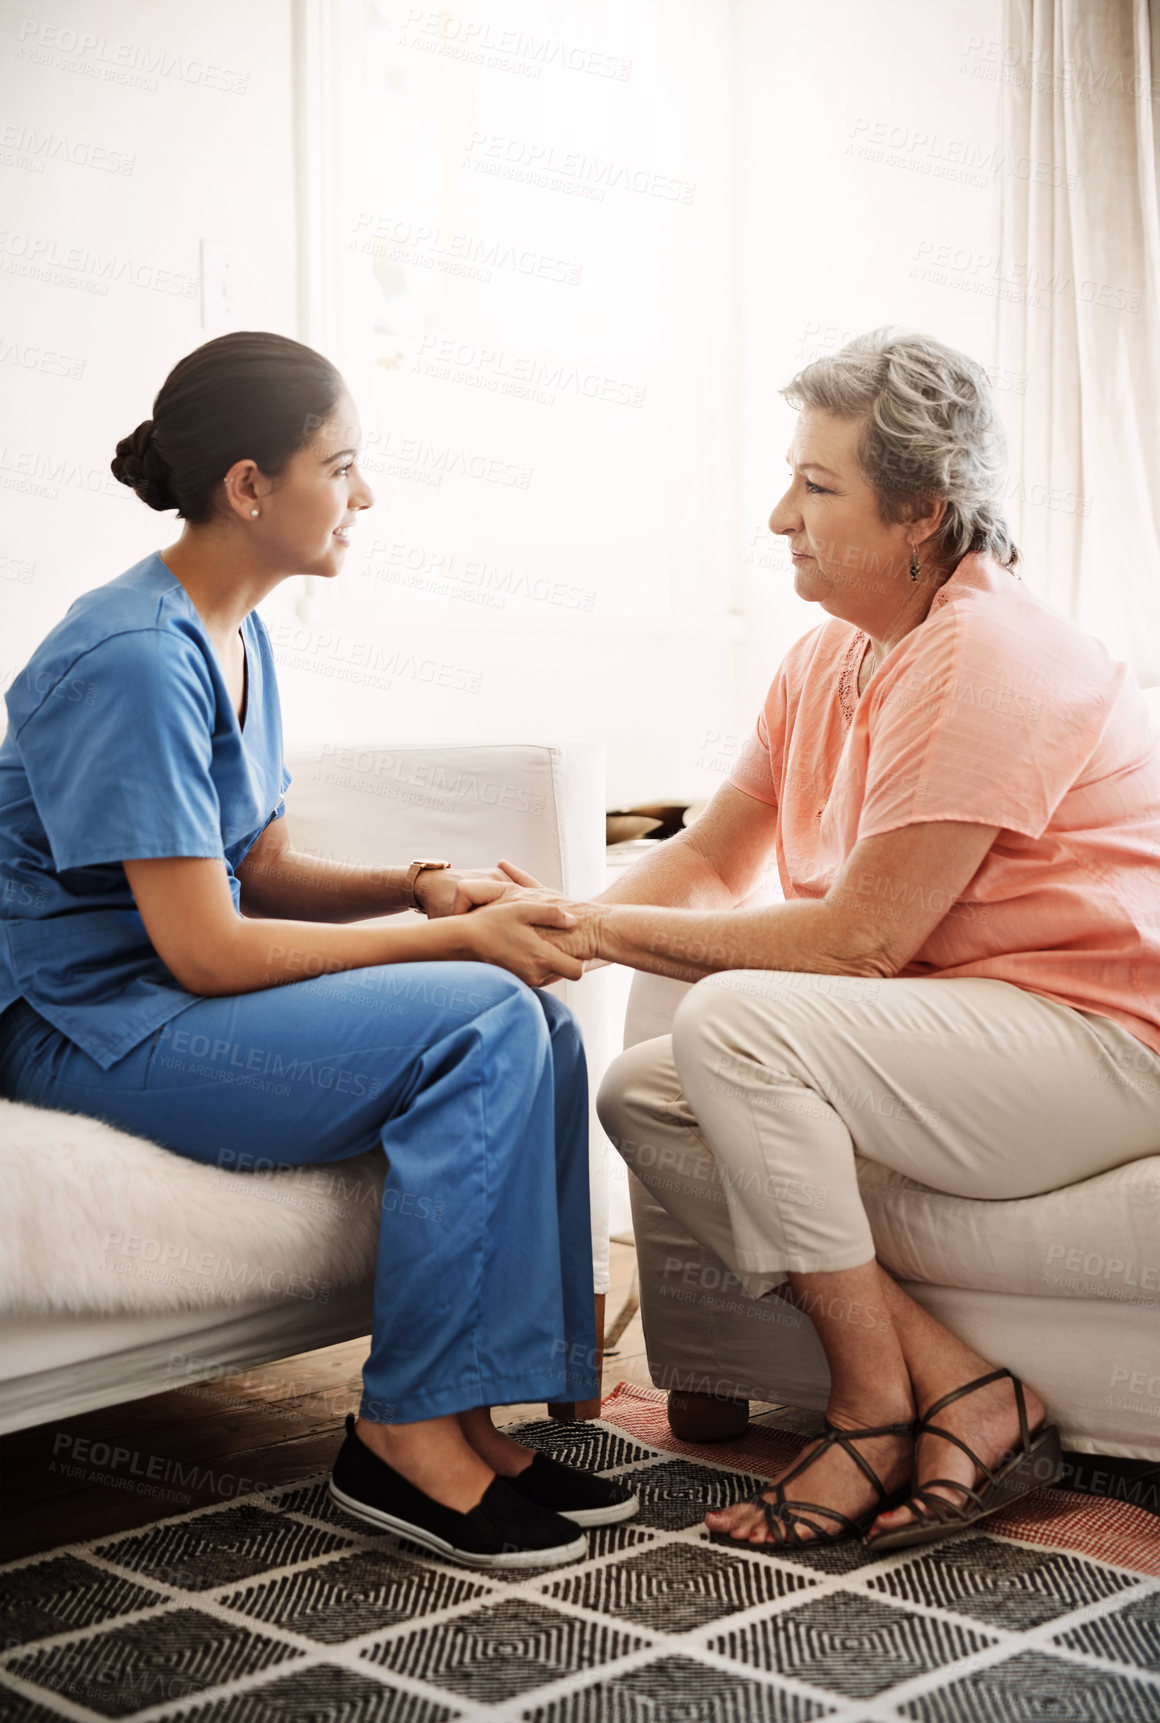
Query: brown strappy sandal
(783, 1516)
(1037, 1461)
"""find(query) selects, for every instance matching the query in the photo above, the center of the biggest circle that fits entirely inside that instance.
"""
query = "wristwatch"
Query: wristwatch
(413, 872)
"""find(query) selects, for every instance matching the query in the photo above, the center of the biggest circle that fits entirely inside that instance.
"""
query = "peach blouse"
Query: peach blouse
(996, 711)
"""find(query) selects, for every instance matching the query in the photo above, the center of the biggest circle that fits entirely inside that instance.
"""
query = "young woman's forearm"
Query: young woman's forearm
(303, 887)
(268, 953)
(188, 911)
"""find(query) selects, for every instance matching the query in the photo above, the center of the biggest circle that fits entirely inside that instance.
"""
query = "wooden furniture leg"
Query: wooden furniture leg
(569, 1411)
(706, 1417)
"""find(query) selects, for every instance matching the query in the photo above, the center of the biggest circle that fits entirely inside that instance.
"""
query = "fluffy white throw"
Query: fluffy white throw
(92, 1219)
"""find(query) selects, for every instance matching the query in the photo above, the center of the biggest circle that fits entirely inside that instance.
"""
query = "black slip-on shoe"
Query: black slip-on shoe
(505, 1529)
(582, 1497)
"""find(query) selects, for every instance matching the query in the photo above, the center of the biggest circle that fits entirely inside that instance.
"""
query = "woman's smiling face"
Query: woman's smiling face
(313, 503)
(846, 557)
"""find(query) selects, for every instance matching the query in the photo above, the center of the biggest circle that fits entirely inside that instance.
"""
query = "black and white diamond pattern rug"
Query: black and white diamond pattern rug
(279, 1608)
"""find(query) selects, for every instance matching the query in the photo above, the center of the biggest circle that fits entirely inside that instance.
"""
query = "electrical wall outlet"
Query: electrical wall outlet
(223, 286)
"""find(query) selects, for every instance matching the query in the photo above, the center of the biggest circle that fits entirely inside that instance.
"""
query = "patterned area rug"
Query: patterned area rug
(281, 1609)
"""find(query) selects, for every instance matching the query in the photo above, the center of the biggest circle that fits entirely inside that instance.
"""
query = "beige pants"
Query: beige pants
(747, 1122)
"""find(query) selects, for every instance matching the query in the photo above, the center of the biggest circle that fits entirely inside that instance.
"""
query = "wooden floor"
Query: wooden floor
(124, 1466)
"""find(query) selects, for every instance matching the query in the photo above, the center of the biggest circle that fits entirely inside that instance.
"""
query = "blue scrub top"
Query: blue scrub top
(123, 743)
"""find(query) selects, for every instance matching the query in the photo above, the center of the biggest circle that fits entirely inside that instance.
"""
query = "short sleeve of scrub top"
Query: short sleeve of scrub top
(119, 762)
(123, 744)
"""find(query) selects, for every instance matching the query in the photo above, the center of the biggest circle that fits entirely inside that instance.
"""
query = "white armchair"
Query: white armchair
(125, 1269)
(1063, 1288)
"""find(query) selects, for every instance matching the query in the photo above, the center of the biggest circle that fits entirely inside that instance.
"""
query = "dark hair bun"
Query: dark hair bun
(245, 396)
(140, 464)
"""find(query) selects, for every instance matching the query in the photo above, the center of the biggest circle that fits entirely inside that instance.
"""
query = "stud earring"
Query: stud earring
(914, 562)
(253, 513)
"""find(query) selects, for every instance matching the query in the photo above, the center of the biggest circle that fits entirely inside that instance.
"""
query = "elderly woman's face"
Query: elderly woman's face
(846, 557)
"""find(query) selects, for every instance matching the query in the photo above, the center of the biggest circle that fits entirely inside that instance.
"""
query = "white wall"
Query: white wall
(865, 145)
(591, 142)
(646, 522)
(130, 132)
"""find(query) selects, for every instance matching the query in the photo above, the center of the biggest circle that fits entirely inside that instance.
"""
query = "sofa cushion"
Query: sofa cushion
(1096, 1239)
(95, 1220)
(541, 804)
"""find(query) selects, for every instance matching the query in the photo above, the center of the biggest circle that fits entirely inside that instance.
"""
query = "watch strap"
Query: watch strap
(413, 872)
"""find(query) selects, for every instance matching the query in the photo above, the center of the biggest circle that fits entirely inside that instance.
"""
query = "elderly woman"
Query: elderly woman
(962, 793)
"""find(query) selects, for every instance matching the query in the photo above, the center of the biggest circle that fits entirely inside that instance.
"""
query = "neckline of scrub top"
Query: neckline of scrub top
(200, 620)
(245, 713)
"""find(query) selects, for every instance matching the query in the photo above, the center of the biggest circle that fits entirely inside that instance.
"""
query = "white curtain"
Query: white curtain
(1078, 296)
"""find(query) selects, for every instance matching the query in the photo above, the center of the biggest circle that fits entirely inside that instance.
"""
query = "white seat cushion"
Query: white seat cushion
(94, 1220)
(1097, 1239)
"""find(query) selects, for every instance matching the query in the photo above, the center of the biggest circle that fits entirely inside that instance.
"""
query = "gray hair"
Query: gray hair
(931, 433)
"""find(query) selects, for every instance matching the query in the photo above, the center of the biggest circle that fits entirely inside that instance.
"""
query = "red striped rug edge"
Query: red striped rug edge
(1103, 1530)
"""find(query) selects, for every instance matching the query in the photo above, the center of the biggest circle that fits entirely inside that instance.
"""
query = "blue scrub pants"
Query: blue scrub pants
(476, 1088)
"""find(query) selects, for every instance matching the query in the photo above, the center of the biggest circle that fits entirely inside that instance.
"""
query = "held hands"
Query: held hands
(582, 939)
(518, 924)
(522, 938)
(456, 891)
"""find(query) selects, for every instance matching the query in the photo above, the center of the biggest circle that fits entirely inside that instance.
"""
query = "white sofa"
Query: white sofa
(1064, 1289)
(125, 1269)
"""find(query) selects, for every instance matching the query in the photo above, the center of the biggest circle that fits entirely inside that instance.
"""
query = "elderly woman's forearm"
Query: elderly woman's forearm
(675, 873)
(689, 944)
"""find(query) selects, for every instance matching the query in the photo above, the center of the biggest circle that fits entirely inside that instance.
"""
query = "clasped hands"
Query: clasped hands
(523, 926)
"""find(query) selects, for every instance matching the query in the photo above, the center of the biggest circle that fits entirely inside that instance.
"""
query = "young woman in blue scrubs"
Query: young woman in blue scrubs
(157, 928)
